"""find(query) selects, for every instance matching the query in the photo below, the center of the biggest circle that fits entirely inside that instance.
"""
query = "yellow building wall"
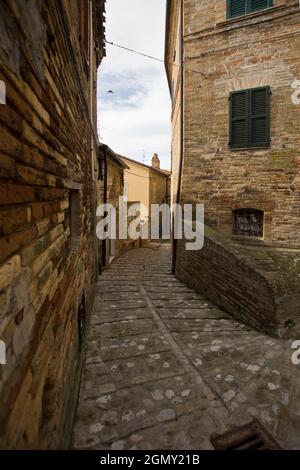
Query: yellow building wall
(137, 181)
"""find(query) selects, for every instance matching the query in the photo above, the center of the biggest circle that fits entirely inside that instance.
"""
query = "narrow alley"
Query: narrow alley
(165, 369)
(123, 124)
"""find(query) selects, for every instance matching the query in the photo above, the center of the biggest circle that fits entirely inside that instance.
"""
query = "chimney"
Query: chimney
(155, 161)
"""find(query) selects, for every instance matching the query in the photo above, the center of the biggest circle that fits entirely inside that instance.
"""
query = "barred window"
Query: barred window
(248, 222)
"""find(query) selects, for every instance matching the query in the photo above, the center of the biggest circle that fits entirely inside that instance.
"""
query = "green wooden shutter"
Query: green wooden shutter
(259, 117)
(256, 5)
(250, 118)
(236, 8)
(239, 119)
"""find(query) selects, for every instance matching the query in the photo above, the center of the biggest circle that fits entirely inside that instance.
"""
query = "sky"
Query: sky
(134, 120)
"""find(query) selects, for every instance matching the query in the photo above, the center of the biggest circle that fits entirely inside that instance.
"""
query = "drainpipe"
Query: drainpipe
(105, 202)
(167, 192)
(178, 194)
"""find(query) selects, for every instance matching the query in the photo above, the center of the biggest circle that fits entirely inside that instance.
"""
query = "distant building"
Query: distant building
(110, 187)
(146, 184)
(49, 55)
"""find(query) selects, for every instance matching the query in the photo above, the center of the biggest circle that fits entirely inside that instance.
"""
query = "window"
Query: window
(248, 222)
(250, 118)
(237, 8)
(99, 169)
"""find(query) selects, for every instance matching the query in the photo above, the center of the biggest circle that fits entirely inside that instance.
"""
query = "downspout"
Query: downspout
(105, 202)
(178, 194)
(167, 198)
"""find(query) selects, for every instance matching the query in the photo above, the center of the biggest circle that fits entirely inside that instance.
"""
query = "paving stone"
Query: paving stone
(121, 328)
(131, 371)
(119, 315)
(166, 369)
(118, 413)
(105, 349)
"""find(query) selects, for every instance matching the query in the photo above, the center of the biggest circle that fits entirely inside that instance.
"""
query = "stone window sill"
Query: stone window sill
(246, 149)
(244, 239)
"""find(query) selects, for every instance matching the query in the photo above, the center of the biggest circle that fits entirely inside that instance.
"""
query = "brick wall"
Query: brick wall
(159, 193)
(46, 281)
(260, 49)
(245, 281)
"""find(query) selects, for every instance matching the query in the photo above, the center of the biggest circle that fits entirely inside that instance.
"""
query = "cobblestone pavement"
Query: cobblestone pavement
(166, 369)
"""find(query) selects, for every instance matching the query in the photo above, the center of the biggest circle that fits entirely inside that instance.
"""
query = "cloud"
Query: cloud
(135, 119)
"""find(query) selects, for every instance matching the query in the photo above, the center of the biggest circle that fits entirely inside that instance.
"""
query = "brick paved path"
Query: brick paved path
(166, 369)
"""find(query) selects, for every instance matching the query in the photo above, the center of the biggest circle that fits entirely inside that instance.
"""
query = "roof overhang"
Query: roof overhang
(165, 173)
(167, 32)
(112, 156)
(99, 28)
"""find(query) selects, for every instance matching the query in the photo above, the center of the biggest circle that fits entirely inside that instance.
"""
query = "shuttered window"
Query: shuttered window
(237, 8)
(250, 118)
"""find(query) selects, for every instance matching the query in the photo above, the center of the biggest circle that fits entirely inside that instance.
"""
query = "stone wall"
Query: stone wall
(115, 188)
(246, 281)
(47, 252)
(159, 188)
(159, 193)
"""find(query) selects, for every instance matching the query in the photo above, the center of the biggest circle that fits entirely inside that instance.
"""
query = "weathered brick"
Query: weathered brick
(43, 226)
(12, 220)
(13, 242)
(58, 218)
(9, 271)
(44, 194)
(3, 311)
(32, 176)
(15, 194)
(36, 104)
(7, 167)
(64, 204)
(22, 332)
(31, 252)
(9, 143)
(47, 209)
(20, 406)
(37, 210)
